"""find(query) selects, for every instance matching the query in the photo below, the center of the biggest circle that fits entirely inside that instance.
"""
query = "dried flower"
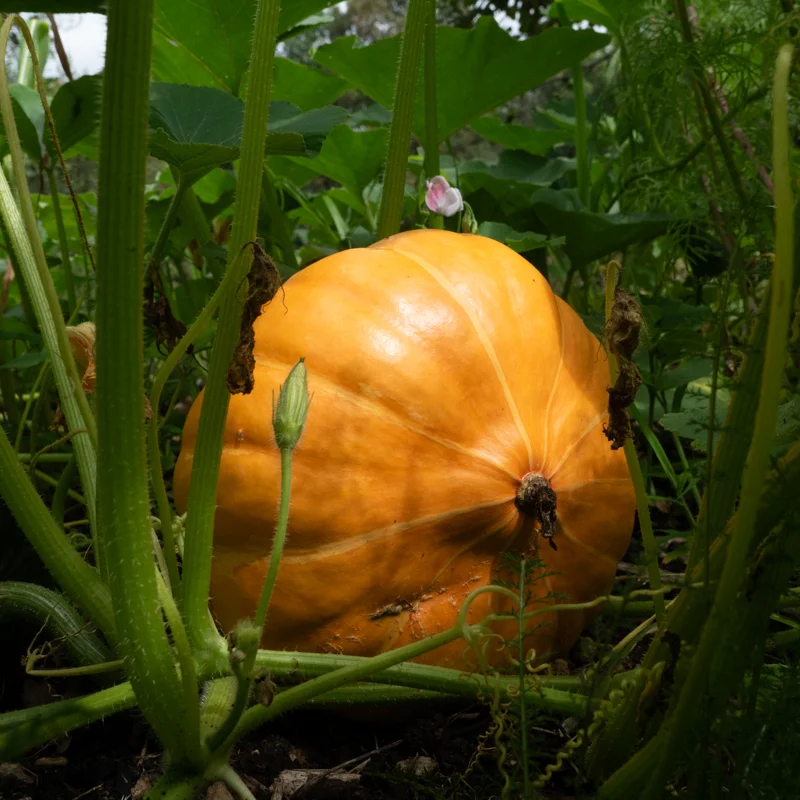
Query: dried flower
(442, 198)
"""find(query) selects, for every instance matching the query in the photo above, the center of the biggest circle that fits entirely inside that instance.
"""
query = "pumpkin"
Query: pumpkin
(452, 393)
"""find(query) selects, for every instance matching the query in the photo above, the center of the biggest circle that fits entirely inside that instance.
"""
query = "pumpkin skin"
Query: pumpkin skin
(443, 370)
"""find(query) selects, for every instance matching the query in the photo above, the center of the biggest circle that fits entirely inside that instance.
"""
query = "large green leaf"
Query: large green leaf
(197, 128)
(520, 242)
(29, 116)
(609, 13)
(207, 42)
(590, 235)
(304, 86)
(518, 137)
(313, 125)
(76, 112)
(352, 158)
(513, 167)
(478, 69)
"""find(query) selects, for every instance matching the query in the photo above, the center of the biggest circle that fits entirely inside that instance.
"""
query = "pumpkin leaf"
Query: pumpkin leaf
(693, 419)
(76, 112)
(691, 370)
(513, 167)
(352, 158)
(308, 24)
(788, 431)
(478, 69)
(313, 125)
(608, 13)
(304, 86)
(207, 42)
(30, 119)
(519, 242)
(592, 235)
(518, 137)
(26, 360)
(87, 202)
(198, 128)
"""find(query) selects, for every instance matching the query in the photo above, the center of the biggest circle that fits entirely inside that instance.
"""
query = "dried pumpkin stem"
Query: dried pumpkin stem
(536, 499)
(642, 504)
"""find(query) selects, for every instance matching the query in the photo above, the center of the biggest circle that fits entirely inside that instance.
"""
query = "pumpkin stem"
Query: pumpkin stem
(535, 498)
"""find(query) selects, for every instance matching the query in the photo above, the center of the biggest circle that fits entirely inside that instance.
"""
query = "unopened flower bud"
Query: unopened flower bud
(289, 417)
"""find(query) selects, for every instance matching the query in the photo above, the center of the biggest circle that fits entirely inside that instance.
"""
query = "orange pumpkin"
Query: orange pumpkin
(444, 371)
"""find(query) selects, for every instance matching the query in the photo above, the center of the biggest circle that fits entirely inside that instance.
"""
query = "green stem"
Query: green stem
(60, 495)
(431, 101)
(156, 473)
(40, 33)
(205, 466)
(32, 397)
(66, 261)
(169, 220)
(23, 233)
(280, 538)
(51, 481)
(45, 458)
(20, 731)
(709, 104)
(80, 581)
(522, 667)
(9, 395)
(394, 181)
(642, 504)
(675, 731)
(278, 221)
(123, 508)
(56, 614)
(581, 129)
(188, 672)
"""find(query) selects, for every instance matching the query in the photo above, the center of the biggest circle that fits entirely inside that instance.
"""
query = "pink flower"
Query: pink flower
(442, 198)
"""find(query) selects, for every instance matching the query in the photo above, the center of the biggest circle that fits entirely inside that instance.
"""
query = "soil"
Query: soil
(119, 758)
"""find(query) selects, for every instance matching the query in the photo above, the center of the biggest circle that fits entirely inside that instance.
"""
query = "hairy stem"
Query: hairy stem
(51, 610)
(80, 581)
(123, 504)
(394, 181)
(66, 261)
(157, 475)
(23, 233)
(280, 538)
(431, 101)
(205, 467)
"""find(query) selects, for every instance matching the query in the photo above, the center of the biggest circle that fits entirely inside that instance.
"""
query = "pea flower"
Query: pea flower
(442, 198)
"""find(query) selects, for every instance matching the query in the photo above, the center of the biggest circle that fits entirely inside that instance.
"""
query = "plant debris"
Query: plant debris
(263, 284)
(82, 341)
(622, 331)
(167, 329)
